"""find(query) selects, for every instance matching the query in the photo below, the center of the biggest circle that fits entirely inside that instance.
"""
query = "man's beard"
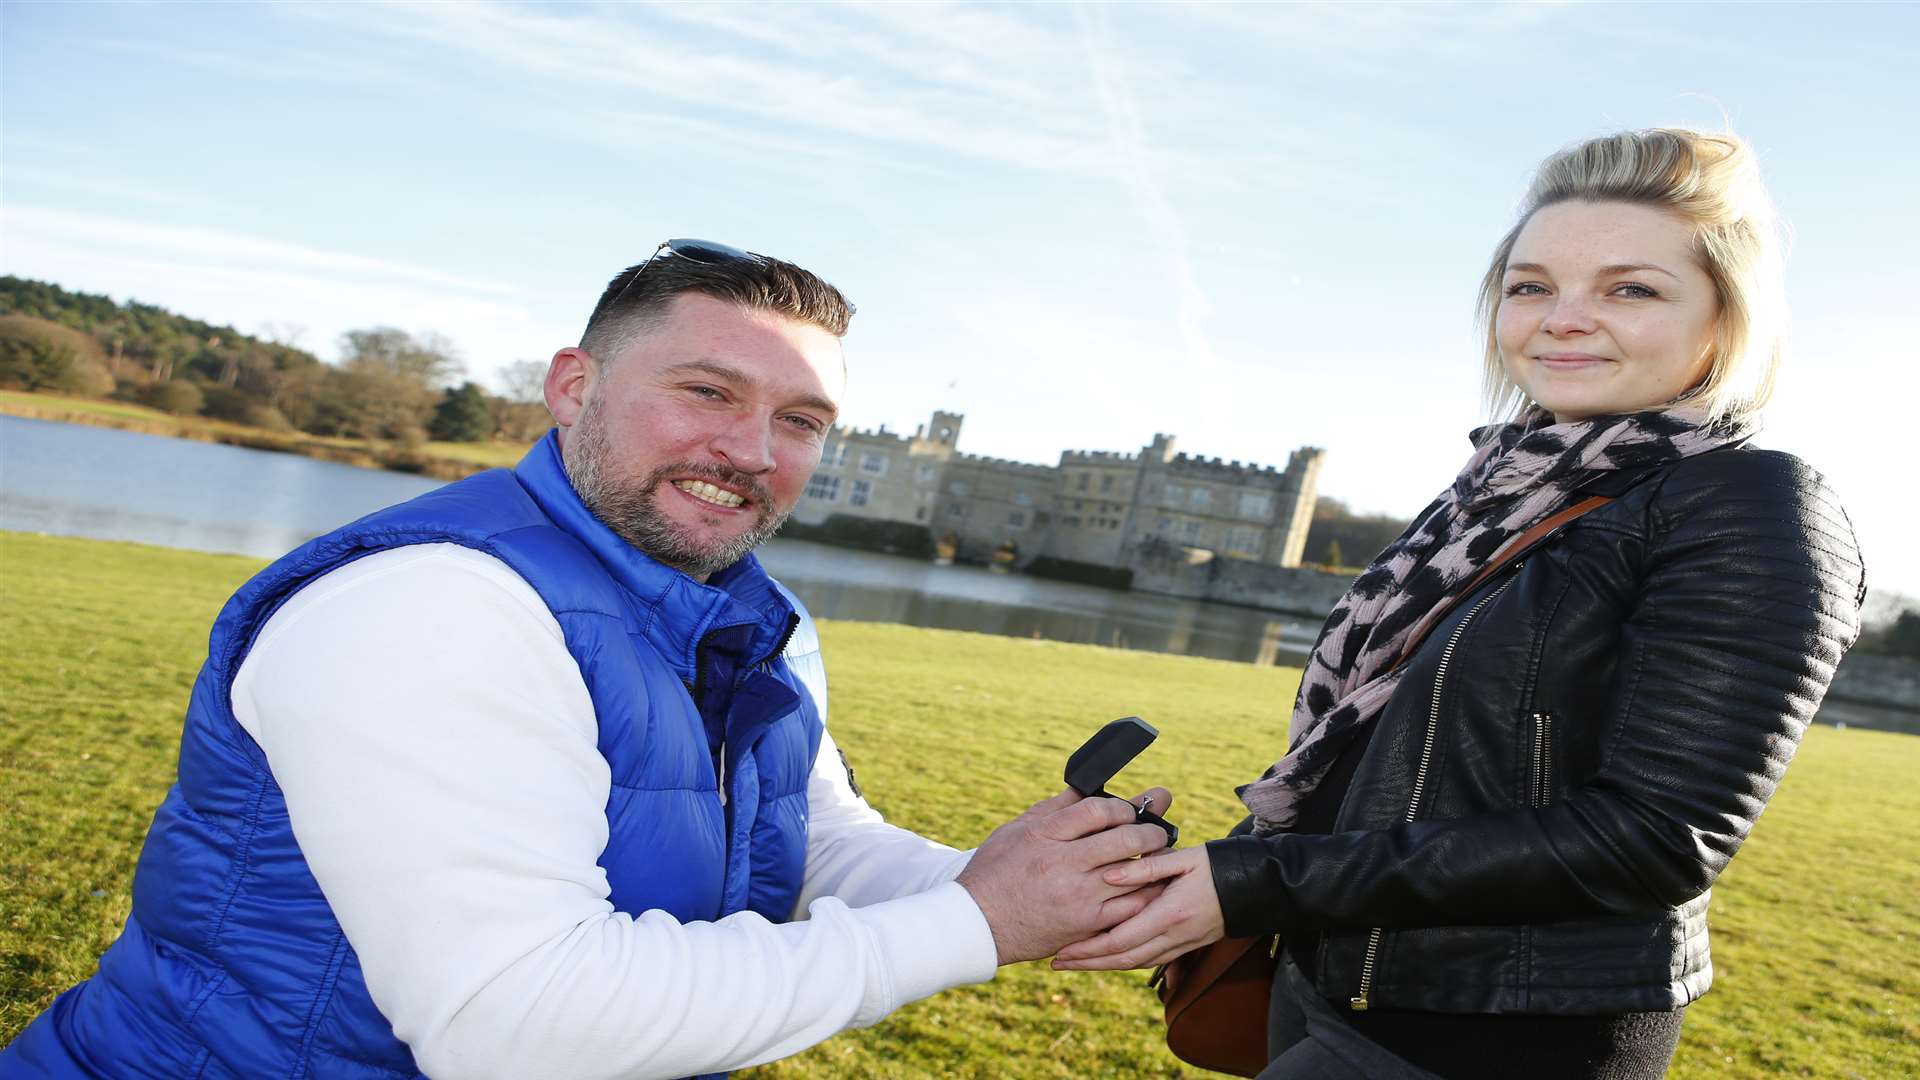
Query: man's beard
(633, 512)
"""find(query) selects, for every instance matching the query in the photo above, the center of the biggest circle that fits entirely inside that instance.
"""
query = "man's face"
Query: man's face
(695, 442)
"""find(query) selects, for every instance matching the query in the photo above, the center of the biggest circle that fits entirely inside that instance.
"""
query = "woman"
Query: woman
(1494, 858)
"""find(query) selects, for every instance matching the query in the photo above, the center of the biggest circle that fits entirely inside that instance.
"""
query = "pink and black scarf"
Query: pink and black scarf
(1520, 474)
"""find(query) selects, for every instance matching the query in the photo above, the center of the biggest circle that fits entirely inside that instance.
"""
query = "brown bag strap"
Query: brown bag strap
(1515, 548)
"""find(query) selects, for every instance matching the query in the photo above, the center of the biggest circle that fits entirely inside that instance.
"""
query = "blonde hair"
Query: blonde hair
(1711, 181)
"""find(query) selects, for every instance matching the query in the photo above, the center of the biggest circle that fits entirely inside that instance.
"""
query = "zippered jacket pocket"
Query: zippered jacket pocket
(1540, 783)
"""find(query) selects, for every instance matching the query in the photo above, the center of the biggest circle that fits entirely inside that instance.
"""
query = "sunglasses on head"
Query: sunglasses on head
(705, 252)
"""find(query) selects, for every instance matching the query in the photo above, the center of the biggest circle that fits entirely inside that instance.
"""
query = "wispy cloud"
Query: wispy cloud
(245, 254)
(281, 64)
(1134, 154)
(120, 188)
(743, 73)
(249, 283)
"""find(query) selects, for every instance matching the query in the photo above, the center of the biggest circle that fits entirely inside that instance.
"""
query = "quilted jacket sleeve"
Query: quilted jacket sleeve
(1751, 594)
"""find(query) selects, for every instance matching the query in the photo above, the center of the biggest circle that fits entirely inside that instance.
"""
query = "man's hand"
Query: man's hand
(1042, 879)
(1183, 916)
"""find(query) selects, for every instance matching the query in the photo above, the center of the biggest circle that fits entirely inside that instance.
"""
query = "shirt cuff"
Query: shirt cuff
(933, 941)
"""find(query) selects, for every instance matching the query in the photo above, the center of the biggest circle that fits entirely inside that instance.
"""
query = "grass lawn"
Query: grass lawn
(1818, 971)
(442, 459)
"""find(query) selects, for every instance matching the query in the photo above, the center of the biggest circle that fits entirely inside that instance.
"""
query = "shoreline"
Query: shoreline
(430, 459)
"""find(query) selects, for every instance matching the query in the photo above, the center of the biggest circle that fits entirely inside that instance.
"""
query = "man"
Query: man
(526, 777)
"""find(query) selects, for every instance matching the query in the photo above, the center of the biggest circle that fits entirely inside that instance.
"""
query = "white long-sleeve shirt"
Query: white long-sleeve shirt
(435, 742)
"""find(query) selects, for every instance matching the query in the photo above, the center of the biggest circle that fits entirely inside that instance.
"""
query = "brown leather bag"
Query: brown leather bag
(1216, 996)
(1216, 999)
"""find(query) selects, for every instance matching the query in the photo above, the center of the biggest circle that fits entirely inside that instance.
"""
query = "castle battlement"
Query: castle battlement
(879, 434)
(1226, 472)
(1004, 500)
(1006, 464)
(1098, 457)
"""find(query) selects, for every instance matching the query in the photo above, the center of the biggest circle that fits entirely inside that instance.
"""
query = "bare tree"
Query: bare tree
(389, 381)
(523, 382)
(520, 412)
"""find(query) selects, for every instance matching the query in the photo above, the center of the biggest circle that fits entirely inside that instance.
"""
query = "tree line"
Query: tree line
(388, 384)
(1341, 539)
(397, 387)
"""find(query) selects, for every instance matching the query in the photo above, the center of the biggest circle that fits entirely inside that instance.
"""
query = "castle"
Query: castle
(1097, 508)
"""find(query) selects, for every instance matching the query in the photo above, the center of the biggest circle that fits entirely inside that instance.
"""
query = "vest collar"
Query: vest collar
(676, 613)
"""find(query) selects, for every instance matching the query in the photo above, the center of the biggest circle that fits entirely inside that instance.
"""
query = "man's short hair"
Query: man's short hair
(631, 306)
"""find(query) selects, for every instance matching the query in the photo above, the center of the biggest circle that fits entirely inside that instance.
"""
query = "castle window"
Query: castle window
(1017, 519)
(1245, 540)
(1202, 498)
(958, 487)
(1176, 494)
(824, 488)
(861, 491)
(876, 464)
(1256, 504)
(1021, 498)
(1106, 483)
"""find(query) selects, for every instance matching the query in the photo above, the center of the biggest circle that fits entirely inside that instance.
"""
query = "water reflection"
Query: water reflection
(82, 481)
(69, 480)
(839, 584)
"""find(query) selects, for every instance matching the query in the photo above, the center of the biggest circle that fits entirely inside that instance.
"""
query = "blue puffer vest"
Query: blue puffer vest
(232, 965)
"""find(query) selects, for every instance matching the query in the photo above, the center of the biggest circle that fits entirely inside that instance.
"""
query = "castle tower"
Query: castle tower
(945, 428)
(1300, 489)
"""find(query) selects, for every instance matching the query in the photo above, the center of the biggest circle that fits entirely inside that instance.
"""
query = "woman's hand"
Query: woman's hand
(1185, 916)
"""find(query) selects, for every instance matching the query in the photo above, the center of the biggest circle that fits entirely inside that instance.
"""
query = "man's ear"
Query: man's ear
(570, 377)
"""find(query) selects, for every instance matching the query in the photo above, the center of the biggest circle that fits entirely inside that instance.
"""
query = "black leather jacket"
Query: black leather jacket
(1537, 819)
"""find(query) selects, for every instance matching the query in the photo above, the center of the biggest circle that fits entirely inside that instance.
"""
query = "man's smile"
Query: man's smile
(710, 494)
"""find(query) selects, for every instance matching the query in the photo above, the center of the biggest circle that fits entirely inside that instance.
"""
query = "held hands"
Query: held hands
(1182, 916)
(1046, 878)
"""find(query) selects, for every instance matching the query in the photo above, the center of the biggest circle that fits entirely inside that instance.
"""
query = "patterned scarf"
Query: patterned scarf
(1520, 474)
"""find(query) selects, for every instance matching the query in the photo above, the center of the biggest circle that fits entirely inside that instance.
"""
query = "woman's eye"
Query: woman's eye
(1526, 288)
(1638, 292)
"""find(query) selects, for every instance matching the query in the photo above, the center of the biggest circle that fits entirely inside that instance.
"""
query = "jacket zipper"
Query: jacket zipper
(764, 664)
(1542, 757)
(1358, 1003)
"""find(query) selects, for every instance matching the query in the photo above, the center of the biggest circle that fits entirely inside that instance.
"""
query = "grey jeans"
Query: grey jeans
(1309, 1042)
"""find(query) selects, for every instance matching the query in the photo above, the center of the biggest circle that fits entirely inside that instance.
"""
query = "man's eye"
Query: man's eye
(707, 392)
(805, 423)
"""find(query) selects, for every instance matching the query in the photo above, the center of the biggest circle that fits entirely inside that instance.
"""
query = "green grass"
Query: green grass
(485, 454)
(446, 460)
(1818, 973)
(92, 407)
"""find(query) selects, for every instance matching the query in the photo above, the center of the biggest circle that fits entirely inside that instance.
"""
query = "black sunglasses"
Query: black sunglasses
(705, 252)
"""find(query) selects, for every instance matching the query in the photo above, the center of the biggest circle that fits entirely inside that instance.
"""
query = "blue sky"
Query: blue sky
(1257, 227)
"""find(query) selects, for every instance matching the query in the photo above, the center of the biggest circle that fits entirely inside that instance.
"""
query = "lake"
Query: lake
(72, 480)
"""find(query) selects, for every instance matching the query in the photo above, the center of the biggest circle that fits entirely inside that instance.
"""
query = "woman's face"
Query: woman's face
(1604, 310)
